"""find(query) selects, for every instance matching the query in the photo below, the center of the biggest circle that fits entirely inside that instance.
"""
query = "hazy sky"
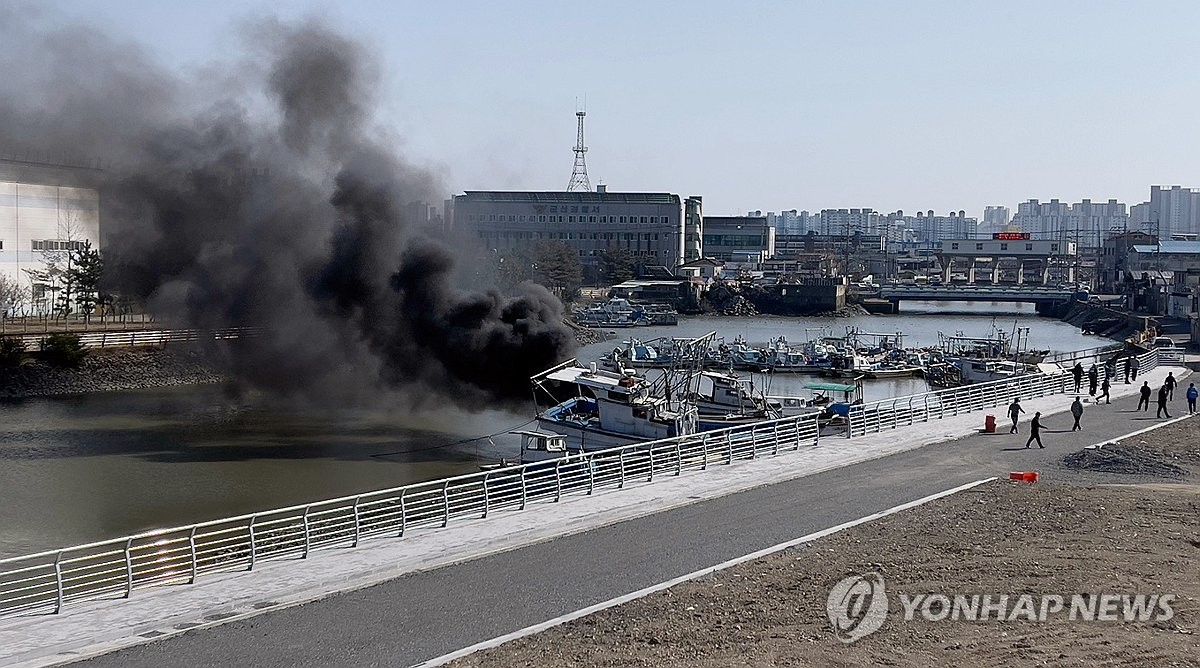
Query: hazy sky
(762, 105)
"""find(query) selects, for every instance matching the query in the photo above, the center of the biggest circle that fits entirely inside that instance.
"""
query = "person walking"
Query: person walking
(1076, 412)
(1126, 370)
(1137, 366)
(1191, 397)
(1014, 409)
(1144, 402)
(1162, 402)
(1078, 373)
(1035, 430)
(1104, 387)
(1093, 379)
(1170, 384)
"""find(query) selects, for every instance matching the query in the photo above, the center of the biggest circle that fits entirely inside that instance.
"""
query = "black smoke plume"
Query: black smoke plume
(262, 192)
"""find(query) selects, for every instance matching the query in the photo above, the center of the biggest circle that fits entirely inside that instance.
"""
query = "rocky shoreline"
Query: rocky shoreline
(107, 371)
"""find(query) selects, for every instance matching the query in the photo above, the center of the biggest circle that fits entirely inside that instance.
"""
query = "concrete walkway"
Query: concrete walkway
(847, 476)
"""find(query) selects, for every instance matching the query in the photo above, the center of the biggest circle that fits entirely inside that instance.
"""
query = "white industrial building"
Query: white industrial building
(45, 213)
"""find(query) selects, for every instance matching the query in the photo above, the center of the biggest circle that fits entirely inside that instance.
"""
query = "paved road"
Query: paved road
(423, 615)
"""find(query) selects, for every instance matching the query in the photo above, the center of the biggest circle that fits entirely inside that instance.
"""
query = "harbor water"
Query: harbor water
(84, 468)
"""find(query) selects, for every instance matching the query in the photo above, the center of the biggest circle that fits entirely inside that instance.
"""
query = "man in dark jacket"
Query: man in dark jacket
(1104, 387)
(1144, 402)
(1035, 430)
(1014, 409)
(1170, 385)
(1078, 373)
(1162, 401)
(1076, 412)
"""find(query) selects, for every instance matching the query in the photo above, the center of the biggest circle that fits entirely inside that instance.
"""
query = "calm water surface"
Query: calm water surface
(84, 468)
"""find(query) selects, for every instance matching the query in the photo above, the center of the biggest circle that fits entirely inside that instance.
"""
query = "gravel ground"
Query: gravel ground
(1000, 538)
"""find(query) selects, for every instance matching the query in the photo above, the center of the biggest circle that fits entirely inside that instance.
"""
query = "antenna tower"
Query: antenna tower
(579, 177)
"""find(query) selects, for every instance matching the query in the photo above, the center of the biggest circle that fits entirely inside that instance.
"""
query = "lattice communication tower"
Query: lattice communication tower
(579, 177)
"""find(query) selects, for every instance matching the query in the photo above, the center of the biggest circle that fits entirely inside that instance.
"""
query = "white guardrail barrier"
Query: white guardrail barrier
(140, 337)
(46, 581)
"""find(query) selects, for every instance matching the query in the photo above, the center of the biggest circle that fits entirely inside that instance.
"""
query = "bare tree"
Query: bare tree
(13, 295)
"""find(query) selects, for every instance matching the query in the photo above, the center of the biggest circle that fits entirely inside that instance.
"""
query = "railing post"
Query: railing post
(650, 472)
(485, 493)
(591, 464)
(704, 456)
(524, 489)
(729, 442)
(128, 568)
(253, 547)
(911, 419)
(775, 439)
(753, 441)
(621, 464)
(403, 513)
(58, 583)
(558, 481)
(192, 551)
(445, 504)
(357, 522)
(816, 428)
(307, 533)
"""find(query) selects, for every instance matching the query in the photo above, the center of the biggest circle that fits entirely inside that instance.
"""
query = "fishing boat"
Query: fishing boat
(616, 312)
(612, 408)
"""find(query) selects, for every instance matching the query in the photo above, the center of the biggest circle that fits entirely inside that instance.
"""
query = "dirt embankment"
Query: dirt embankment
(1003, 538)
(107, 370)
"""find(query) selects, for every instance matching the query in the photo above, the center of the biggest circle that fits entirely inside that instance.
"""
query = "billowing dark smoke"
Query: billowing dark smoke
(262, 193)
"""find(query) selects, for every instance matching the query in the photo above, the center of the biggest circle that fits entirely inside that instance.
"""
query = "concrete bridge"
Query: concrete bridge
(1034, 294)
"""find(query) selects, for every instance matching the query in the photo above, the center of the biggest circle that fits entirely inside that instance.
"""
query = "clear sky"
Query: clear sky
(762, 105)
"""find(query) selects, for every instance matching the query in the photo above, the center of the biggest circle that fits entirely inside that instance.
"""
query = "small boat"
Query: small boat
(616, 313)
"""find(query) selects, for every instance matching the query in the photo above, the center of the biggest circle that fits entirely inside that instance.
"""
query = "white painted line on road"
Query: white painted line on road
(583, 612)
(1114, 441)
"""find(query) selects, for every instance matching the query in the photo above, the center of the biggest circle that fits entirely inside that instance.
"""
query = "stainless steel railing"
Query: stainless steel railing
(47, 581)
(142, 337)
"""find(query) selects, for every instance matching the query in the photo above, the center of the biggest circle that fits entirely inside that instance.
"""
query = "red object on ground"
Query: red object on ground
(989, 424)
(1031, 476)
(1016, 475)
(1023, 476)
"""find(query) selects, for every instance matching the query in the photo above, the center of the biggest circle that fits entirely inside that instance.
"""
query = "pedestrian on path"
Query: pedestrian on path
(1162, 401)
(1093, 378)
(1144, 402)
(1104, 387)
(1035, 430)
(1126, 370)
(1137, 366)
(1014, 409)
(1076, 412)
(1191, 397)
(1078, 373)
(1170, 385)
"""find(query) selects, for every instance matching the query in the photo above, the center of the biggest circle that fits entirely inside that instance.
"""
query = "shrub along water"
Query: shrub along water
(63, 350)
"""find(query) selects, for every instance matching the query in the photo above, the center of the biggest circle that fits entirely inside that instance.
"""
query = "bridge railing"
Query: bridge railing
(47, 581)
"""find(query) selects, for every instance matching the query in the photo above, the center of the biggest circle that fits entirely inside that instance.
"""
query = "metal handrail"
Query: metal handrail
(139, 337)
(45, 581)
